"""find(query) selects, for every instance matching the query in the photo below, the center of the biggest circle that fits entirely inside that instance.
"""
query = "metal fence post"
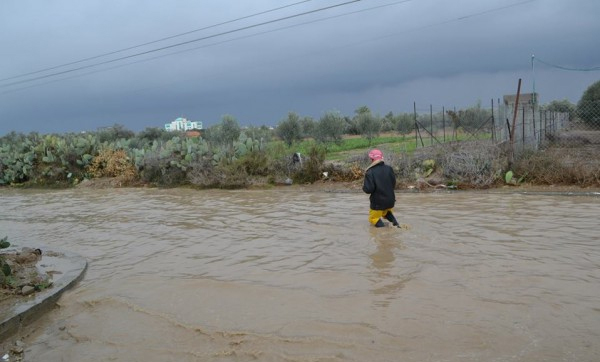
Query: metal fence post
(431, 121)
(444, 122)
(416, 125)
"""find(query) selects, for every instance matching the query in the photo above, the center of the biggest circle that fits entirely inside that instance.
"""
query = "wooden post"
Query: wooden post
(511, 151)
(416, 125)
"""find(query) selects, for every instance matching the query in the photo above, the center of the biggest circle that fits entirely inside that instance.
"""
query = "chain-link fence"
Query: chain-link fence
(442, 125)
(525, 127)
(541, 145)
(534, 128)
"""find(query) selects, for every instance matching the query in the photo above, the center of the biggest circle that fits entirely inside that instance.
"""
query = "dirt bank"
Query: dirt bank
(25, 278)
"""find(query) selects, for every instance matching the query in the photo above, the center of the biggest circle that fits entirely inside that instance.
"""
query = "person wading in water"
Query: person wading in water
(379, 183)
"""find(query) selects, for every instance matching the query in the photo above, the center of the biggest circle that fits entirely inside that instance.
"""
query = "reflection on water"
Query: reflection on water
(386, 283)
(291, 275)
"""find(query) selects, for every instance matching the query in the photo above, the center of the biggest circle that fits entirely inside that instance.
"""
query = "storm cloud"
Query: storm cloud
(69, 66)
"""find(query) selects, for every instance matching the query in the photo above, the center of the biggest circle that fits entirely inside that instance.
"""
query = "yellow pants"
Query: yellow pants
(375, 215)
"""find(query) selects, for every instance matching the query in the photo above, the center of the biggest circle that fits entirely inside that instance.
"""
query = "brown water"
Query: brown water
(292, 275)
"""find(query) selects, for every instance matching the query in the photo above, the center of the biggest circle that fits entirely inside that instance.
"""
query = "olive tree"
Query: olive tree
(330, 127)
(562, 106)
(146, 137)
(405, 123)
(113, 133)
(368, 124)
(308, 126)
(588, 107)
(388, 122)
(230, 129)
(290, 129)
(223, 134)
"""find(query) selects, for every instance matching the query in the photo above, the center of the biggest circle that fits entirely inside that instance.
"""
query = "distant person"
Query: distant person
(297, 158)
(380, 183)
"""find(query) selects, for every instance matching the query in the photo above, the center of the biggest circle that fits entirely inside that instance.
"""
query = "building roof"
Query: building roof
(524, 98)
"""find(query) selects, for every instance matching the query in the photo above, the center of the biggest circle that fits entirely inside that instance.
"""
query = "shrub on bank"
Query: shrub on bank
(555, 167)
(66, 160)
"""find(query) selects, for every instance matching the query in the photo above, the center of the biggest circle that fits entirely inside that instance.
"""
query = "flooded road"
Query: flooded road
(295, 275)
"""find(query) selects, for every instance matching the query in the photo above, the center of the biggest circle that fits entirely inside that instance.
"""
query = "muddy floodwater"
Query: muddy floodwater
(290, 274)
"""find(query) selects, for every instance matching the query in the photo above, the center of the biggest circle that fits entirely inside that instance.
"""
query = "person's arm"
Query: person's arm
(369, 183)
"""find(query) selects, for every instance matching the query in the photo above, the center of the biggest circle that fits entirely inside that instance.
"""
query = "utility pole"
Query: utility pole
(534, 96)
(511, 152)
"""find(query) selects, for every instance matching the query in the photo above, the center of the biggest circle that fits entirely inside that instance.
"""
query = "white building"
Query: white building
(182, 124)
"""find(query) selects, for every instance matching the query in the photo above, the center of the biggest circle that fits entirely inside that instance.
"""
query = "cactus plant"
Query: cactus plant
(4, 267)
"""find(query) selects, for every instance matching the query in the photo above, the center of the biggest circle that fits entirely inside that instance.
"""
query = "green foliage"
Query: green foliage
(308, 126)
(207, 174)
(255, 163)
(17, 158)
(146, 138)
(226, 155)
(368, 125)
(312, 166)
(508, 177)
(588, 107)
(4, 267)
(158, 156)
(114, 133)
(388, 123)
(330, 128)
(166, 163)
(230, 129)
(362, 110)
(405, 123)
(224, 133)
(263, 133)
(471, 119)
(563, 106)
(394, 143)
(428, 167)
(290, 130)
(63, 158)
(246, 145)
(4, 243)
(44, 159)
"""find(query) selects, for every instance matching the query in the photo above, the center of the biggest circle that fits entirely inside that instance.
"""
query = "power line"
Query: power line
(460, 18)
(154, 41)
(209, 45)
(181, 43)
(484, 12)
(444, 22)
(567, 68)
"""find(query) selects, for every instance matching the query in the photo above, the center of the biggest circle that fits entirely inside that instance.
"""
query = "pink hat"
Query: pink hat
(376, 155)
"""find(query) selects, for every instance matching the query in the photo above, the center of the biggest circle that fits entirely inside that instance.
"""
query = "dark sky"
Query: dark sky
(70, 66)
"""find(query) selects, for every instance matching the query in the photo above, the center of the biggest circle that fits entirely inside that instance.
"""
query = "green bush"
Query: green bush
(5, 270)
(312, 167)
(588, 107)
(290, 129)
(206, 174)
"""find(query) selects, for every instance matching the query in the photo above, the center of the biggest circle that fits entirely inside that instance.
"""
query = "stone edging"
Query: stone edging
(69, 269)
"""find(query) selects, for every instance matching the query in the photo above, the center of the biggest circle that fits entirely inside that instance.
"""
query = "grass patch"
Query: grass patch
(351, 145)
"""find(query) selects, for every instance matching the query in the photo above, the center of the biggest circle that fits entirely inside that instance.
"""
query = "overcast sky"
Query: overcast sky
(70, 66)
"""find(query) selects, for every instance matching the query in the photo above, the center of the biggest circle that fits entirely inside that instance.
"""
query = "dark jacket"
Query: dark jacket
(380, 182)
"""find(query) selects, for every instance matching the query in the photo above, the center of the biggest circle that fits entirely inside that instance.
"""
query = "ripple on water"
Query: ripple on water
(287, 275)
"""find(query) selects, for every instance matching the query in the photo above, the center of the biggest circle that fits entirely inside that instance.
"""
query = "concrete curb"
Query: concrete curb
(68, 269)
